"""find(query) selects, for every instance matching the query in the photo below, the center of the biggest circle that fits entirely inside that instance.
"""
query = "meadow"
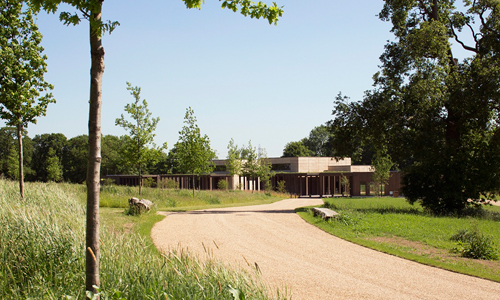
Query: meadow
(42, 249)
(393, 226)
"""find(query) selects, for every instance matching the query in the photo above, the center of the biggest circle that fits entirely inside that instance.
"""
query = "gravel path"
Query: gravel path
(309, 262)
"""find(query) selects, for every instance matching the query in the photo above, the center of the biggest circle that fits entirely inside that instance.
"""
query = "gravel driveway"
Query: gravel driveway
(309, 262)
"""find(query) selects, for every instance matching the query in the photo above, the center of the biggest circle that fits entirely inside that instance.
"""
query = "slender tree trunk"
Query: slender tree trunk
(140, 179)
(21, 172)
(94, 158)
(193, 185)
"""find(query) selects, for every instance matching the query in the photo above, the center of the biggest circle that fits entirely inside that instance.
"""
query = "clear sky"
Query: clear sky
(245, 79)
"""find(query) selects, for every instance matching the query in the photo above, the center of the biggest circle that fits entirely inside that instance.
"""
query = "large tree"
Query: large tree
(193, 151)
(436, 113)
(47, 149)
(74, 159)
(91, 10)
(23, 90)
(296, 149)
(141, 134)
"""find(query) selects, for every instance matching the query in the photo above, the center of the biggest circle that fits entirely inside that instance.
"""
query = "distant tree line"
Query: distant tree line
(54, 157)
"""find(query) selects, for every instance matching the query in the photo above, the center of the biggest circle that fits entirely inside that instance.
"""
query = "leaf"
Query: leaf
(237, 294)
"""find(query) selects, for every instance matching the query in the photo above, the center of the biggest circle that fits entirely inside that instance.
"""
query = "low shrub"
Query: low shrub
(471, 243)
(169, 184)
(281, 187)
(222, 184)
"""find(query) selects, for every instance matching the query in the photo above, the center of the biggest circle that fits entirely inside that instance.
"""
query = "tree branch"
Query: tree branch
(469, 48)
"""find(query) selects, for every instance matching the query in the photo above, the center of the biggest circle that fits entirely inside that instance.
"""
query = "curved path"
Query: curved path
(310, 263)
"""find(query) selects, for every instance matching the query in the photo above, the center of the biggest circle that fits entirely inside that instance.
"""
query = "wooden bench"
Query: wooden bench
(325, 213)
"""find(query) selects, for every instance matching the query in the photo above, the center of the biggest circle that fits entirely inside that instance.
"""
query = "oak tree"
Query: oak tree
(436, 113)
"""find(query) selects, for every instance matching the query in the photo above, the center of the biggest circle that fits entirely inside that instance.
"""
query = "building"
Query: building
(322, 176)
(302, 176)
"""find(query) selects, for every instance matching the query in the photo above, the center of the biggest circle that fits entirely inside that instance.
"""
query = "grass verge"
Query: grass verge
(182, 200)
(393, 226)
(42, 253)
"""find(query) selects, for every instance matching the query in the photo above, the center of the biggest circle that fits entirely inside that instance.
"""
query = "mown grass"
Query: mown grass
(42, 253)
(181, 200)
(393, 226)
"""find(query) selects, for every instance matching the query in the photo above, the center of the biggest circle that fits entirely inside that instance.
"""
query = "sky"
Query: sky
(244, 79)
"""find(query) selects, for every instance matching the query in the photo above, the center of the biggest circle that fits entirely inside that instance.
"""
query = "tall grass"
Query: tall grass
(42, 255)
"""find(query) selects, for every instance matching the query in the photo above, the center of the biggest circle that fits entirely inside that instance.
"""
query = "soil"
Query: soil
(307, 262)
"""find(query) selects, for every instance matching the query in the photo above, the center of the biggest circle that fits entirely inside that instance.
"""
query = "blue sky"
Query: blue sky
(245, 79)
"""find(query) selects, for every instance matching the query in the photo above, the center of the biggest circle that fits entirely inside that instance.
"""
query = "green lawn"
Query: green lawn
(393, 226)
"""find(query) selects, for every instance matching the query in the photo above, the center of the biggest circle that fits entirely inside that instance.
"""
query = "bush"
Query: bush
(169, 184)
(281, 187)
(222, 184)
(473, 244)
(149, 182)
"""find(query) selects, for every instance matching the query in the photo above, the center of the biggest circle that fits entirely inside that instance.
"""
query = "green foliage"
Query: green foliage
(75, 158)
(436, 115)
(169, 184)
(141, 134)
(24, 92)
(345, 184)
(22, 67)
(193, 150)
(281, 187)
(42, 161)
(234, 163)
(473, 244)
(222, 185)
(296, 149)
(149, 182)
(381, 165)
(247, 8)
(54, 167)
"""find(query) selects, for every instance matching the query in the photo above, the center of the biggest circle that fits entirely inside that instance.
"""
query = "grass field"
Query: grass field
(42, 253)
(180, 200)
(393, 226)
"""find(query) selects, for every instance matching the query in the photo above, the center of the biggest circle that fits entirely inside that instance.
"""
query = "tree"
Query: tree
(141, 132)
(296, 149)
(53, 167)
(264, 168)
(111, 159)
(250, 165)
(74, 159)
(47, 147)
(91, 11)
(234, 163)
(193, 150)
(381, 166)
(318, 141)
(437, 116)
(22, 67)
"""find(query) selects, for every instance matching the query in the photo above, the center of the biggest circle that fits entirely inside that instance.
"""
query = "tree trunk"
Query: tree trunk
(140, 179)
(21, 172)
(193, 186)
(94, 158)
